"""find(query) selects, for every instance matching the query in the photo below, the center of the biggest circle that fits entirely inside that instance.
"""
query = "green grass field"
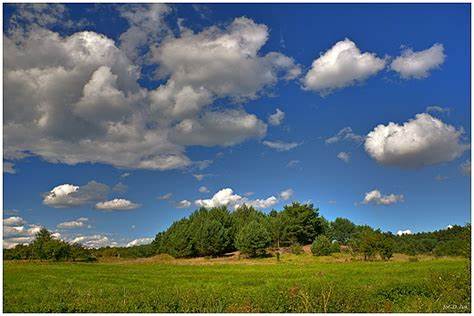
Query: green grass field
(295, 284)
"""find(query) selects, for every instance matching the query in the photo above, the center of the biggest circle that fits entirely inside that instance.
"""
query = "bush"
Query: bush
(321, 246)
(296, 249)
(335, 247)
(253, 239)
(450, 248)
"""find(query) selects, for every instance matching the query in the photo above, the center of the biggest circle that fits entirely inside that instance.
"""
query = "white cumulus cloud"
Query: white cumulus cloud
(183, 204)
(68, 195)
(375, 197)
(76, 98)
(404, 232)
(227, 197)
(13, 221)
(78, 223)
(94, 241)
(341, 66)
(421, 141)
(140, 241)
(417, 65)
(17, 231)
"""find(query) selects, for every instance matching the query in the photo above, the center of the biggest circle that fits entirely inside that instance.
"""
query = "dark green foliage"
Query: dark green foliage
(321, 246)
(177, 240)
(301, 223)
(449, 248)
(385, 247)
(214, 232)
(39, 245)
(335, 247)
(276, 227)
(367, 242)
(45, 247)
(341, 230)
(141, 251)
(253, 239)
(455, 241)
(205, 233)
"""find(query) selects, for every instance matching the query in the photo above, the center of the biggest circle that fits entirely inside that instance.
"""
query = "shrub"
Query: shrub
(321, 246)
(335, 247)
(253, 239)
(296, 249)
(450, 248)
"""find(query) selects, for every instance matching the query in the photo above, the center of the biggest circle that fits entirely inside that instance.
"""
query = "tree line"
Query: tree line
(217, 231)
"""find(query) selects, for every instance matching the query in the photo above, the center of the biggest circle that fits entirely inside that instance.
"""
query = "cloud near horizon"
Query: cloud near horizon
(226, 197)
(422, 141)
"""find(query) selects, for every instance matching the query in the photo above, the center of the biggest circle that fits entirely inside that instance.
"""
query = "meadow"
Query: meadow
(296, 283)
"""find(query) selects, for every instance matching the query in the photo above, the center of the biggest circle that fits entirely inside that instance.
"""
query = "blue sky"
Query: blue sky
(159, 82)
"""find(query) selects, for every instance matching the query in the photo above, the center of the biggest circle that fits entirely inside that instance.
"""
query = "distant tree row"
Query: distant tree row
(46, 247)
(217, 231)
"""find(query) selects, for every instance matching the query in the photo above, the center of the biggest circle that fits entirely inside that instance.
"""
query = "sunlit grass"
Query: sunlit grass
(295, 284)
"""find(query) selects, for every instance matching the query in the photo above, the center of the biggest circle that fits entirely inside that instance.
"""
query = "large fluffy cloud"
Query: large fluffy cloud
(377, 198)
(224, 197)
(76, 98)
(227, 197)
(417, 65)
(146, 26)
(225, 62)
(422, 141)
(341, 66)
(68, 195)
